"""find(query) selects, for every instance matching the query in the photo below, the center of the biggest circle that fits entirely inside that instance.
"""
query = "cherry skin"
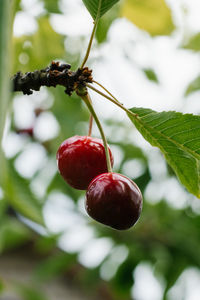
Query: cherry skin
(80, 159)
(114, 200)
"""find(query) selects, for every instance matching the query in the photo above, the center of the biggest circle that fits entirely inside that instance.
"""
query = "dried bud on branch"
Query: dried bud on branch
(55, 74)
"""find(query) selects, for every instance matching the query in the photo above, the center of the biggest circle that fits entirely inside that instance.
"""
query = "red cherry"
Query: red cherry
(80, 159)
(114, 200)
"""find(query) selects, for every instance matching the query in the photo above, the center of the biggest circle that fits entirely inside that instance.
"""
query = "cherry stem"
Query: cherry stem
(106, 90)
(91, 120)
(113, 99)
(87, 100)
(90, 125)
(92, 36)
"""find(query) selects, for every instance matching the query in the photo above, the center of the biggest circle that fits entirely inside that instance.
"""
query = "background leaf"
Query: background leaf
(38, 50)
(52, 6)
(13, 234)
(193, 86)
(19, 195)
(6, 20)
(92, 6)
(5, 62)
(151, 75)
(193, 43)
(154, 16)
(178, 137)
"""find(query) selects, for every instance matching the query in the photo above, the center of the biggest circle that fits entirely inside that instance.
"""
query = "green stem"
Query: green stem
(92, 36)
(90, 125)
(106, 90)
(113, 100)
(87, 100)
(91, 120)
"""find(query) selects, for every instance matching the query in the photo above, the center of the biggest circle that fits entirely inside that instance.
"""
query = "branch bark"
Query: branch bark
(55, 74)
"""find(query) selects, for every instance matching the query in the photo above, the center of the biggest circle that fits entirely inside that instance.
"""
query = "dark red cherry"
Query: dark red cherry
(114, 200)
(80, 159)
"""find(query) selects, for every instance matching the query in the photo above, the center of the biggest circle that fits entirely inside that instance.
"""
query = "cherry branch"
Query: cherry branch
(55, 74)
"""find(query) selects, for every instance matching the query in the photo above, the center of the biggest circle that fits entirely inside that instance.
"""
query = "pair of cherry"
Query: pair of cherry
(111, 198)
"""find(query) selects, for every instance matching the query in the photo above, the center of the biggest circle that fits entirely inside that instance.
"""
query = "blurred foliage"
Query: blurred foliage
(30, 293)
(1, 286)
(38, 50)
(193, 43)
(13, 234)
(165, 237)
(193, 86)
(154, 16)
(53, 266)
(151, 75)
(52, 6)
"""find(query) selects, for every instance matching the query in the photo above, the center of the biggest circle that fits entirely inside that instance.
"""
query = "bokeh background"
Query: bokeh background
(147, 54)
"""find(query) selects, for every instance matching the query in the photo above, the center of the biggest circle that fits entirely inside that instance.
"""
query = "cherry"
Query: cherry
(114, 200)
(80, 159)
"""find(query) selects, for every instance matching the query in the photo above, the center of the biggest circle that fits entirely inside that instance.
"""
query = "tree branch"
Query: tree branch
(55, 74)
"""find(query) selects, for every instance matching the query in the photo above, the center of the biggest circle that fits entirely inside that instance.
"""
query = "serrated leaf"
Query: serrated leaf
(93, 5)
(154, 16)
(178, 137)
(193, 43)
(193, 86)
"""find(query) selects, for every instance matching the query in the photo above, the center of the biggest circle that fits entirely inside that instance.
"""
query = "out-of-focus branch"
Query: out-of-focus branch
(55, 74)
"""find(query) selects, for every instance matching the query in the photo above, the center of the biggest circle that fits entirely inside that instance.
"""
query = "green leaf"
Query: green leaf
(93, 5)
(20, 197)
(13, 234)
(52, 6)
(178, 137)
(151, 75)
(193, 86)
(193, 43)
(30, 292)
(6, 18)
(5, 59)
(53, 266)
(105, 23)
(36, 51)
(1, 286)
(153, 16)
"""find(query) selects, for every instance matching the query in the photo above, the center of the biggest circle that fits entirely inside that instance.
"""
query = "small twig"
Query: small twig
(55, 74)
(92, 35)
